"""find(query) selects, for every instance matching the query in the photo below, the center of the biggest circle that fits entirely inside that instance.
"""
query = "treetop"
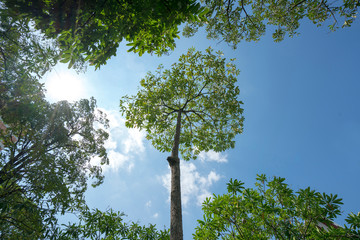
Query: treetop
(202, 87)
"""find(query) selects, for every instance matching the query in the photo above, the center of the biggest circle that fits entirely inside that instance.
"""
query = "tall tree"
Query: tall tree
(274, 211)
(236, 20)
(190, 108)
(92, 30)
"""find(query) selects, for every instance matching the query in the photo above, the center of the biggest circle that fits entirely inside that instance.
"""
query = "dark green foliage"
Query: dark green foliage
(24, 58)
(274, 211)
(93, 29)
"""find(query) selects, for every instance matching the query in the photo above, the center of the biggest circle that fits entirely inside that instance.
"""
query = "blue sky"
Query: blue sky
(302, 122)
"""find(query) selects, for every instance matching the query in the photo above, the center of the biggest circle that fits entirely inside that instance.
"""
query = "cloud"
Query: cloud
(123, 146)
(194, 186)
(212, 156)
(148, 204)
(156, 215)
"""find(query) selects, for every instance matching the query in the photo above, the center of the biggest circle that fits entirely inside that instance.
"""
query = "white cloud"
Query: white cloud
(123, 146)
(134, 141)
(117, 161)
(212, 156)
(194, 186)
(148, 204)
(156, 215)
(110, 144)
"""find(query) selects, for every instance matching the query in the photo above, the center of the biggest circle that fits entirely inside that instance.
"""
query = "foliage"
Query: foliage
(233, 21)
(202, 87)
(92, 30)
(45, 163)
(24, 58)
(96, 224)
(273, 211)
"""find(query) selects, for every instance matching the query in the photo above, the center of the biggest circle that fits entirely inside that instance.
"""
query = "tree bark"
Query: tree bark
(176, 230)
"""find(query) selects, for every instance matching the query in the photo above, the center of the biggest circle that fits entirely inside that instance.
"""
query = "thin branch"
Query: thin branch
(247, 15)
(164, 105)
(196, 96)
(198, 113)
(331, 12)
(4, 57)
(299, 3)
(167, 115)
(188, 118)
(94, 13)
(237, 228)
(306, 228)
(228, 14)
(274, 229)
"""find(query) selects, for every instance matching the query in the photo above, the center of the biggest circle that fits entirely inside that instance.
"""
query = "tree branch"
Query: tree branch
(247, 15)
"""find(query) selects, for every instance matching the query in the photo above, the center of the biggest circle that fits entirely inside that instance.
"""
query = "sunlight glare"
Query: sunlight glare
(64, 85)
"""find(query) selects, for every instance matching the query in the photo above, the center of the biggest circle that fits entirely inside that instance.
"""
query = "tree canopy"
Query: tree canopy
(96, 224)
(44, 161)
(24, 58)
(274, 211)
(233, 21)
(46, 168)
(46, 148)
(92, 30)
(202, 87)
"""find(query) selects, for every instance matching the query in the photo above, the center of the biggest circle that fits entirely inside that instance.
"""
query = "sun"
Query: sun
(65, 85)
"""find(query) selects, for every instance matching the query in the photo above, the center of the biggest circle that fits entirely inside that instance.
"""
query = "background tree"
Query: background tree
(92, 30)
(44, 172)
(44, 161)
(96, 224)
(233, 21)
(190, 108)
(273, 211)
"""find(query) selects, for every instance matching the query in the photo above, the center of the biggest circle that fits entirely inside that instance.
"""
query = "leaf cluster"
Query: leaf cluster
(92, 30)
(96, 224)
(201, 86)
(24, 58)
(234, 21)
(273, 211)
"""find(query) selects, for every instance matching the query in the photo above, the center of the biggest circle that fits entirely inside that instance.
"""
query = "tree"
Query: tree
(44, 163)
(40, 175)
(190, 108)
(95, 224)
(45, 171)
(233, 21)
(273, 211)
(92, 30)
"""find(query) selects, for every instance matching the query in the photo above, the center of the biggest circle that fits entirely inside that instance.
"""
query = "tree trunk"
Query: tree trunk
(176, 230)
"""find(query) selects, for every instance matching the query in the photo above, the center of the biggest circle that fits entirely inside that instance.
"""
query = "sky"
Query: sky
(302, 122)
